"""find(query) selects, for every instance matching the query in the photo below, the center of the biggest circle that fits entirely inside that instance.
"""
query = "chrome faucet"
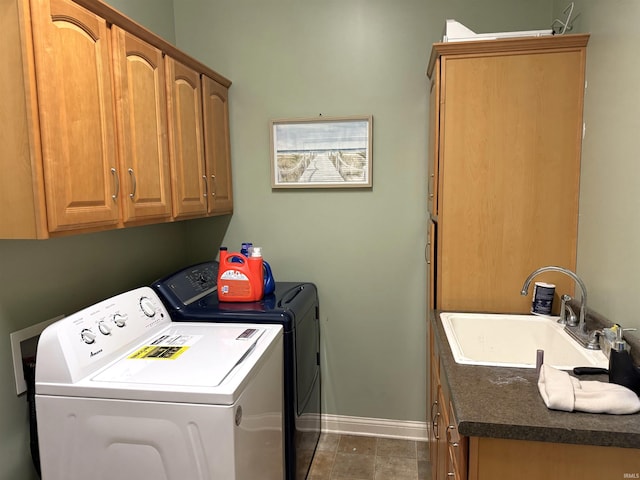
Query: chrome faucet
(578, 332)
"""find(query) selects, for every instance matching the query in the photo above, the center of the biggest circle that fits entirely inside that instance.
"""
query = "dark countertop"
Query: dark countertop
(502, 402)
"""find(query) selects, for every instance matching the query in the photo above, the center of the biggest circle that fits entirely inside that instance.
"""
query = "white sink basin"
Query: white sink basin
(512, 341)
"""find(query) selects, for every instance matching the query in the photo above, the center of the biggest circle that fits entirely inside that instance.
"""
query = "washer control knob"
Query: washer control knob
(119, 319)
(87, 336)
(104, 327)
(148, 307)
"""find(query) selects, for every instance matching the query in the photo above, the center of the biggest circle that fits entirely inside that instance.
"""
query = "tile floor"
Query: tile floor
(351, 457)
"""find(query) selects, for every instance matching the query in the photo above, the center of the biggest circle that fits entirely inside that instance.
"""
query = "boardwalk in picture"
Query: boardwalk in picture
(321, 170)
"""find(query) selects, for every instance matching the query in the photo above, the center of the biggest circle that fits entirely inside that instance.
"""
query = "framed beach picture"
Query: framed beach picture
(321, 152)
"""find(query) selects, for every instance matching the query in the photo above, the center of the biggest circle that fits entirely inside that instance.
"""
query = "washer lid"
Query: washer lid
(184, 356)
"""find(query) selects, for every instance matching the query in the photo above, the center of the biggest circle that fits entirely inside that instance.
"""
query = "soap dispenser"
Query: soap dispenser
(621, 368)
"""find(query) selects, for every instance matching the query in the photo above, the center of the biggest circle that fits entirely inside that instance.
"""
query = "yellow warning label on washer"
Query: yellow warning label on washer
(158, 352)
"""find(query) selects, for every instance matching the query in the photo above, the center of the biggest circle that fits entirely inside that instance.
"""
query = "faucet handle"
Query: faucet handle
(594, 340)
(572, 321)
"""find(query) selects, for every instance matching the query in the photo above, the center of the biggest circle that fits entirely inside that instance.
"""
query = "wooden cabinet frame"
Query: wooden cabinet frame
(65, 172)
(504, 164)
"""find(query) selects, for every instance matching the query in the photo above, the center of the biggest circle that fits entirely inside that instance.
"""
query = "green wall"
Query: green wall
(156, 15)
(363, 248)
(609, 227)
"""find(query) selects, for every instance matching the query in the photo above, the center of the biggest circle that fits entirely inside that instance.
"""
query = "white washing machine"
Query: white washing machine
(123, 393)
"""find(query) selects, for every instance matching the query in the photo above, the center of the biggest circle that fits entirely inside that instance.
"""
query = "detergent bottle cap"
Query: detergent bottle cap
(256, 252)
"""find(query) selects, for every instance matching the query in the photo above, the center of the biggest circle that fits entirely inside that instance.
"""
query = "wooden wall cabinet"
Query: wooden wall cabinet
(85, 143)
(504, 147)
(199, 143)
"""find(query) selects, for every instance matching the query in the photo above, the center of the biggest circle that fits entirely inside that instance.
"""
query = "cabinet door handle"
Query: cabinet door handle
(116, 180)
(434, 421)
(204, 180)
(133, 183)
(434, 412)
(449, 428)
(213, 185)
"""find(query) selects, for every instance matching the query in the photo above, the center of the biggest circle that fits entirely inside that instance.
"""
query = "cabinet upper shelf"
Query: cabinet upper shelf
(506, 45)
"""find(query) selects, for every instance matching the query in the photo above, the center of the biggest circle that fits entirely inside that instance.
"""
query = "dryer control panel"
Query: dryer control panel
(189, 284)
(82, 342)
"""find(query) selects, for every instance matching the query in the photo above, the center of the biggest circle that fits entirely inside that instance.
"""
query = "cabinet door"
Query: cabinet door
(432, 228)
(457, 460)
(434, 406)
(511, 129)
(186, 148)
(75, 101)
(216, 146)
(448, 451)
(434, 142)
(442, 457)
(141, 108)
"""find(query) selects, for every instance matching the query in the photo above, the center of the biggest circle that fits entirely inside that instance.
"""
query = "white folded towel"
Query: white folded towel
(560, 391)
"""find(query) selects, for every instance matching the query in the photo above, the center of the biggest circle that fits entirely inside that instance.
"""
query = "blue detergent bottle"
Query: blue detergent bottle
(269, 282)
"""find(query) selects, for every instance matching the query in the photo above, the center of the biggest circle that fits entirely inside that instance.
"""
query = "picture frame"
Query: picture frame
(322, 152)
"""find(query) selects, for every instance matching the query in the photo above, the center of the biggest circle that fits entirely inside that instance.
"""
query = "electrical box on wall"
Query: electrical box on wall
(23, 345)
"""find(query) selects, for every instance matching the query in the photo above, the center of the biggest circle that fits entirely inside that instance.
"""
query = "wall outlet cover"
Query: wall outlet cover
(23, 344)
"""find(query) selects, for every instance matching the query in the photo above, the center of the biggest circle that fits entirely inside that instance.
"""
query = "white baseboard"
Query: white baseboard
(377, 427)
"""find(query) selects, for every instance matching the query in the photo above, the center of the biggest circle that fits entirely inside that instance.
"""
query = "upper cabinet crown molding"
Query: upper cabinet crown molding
(503, 46)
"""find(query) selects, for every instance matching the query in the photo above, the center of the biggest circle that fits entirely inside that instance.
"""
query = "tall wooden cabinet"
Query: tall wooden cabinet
(505, 142)
(505, 137)
(85, 142)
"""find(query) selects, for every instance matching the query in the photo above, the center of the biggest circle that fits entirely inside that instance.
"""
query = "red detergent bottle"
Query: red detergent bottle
(240, 278)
